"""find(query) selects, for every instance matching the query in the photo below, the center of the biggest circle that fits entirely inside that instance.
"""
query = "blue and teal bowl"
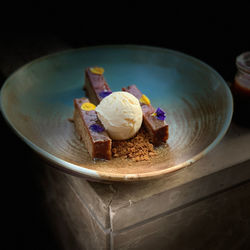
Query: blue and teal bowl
(37, 101)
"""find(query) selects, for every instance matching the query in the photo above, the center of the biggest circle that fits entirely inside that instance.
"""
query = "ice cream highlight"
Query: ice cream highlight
(121, 115)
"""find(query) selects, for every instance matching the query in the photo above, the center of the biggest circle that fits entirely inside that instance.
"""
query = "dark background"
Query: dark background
(215, 36)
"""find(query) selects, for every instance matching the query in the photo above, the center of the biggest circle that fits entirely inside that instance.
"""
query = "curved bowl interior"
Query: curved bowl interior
(37, 101)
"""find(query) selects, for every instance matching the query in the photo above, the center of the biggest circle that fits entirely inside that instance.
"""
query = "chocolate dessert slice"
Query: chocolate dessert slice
(95, 85)
(157, 129)
(91, 132)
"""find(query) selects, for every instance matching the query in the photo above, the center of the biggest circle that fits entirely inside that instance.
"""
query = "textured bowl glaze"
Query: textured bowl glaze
(37, 101)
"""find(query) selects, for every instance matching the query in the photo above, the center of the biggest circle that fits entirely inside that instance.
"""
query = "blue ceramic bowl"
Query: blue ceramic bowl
(37, 101)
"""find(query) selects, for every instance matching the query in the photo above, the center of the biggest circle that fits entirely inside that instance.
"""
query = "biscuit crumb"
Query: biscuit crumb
(138, 148)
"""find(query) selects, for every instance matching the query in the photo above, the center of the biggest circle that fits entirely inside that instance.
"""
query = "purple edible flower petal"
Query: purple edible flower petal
(104, 93)
(96, 128)
(160, 114)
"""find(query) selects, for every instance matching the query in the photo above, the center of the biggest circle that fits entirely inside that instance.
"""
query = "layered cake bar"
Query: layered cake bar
(90, 129)
(95, 85)
(157, 128)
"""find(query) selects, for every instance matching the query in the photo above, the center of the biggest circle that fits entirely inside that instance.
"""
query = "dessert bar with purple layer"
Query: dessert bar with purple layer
(91, 132)
(157, 129)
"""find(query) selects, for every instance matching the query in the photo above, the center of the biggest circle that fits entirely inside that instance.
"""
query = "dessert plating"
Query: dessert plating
(97, 133)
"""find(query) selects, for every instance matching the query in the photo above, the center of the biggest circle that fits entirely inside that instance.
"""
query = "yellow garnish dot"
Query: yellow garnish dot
(154, 114)
(144, 99)
(97, 70)
(87, 106)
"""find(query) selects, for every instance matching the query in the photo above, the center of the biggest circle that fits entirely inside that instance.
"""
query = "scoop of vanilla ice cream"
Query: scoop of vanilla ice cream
(120, 114)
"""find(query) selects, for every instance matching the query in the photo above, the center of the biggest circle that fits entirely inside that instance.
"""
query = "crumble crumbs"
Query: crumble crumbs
(138, 148)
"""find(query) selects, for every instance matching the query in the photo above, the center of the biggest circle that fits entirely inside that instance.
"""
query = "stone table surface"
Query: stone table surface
(129, 214)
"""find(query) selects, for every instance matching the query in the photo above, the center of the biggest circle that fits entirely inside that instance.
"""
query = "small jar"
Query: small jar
(241, 90)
